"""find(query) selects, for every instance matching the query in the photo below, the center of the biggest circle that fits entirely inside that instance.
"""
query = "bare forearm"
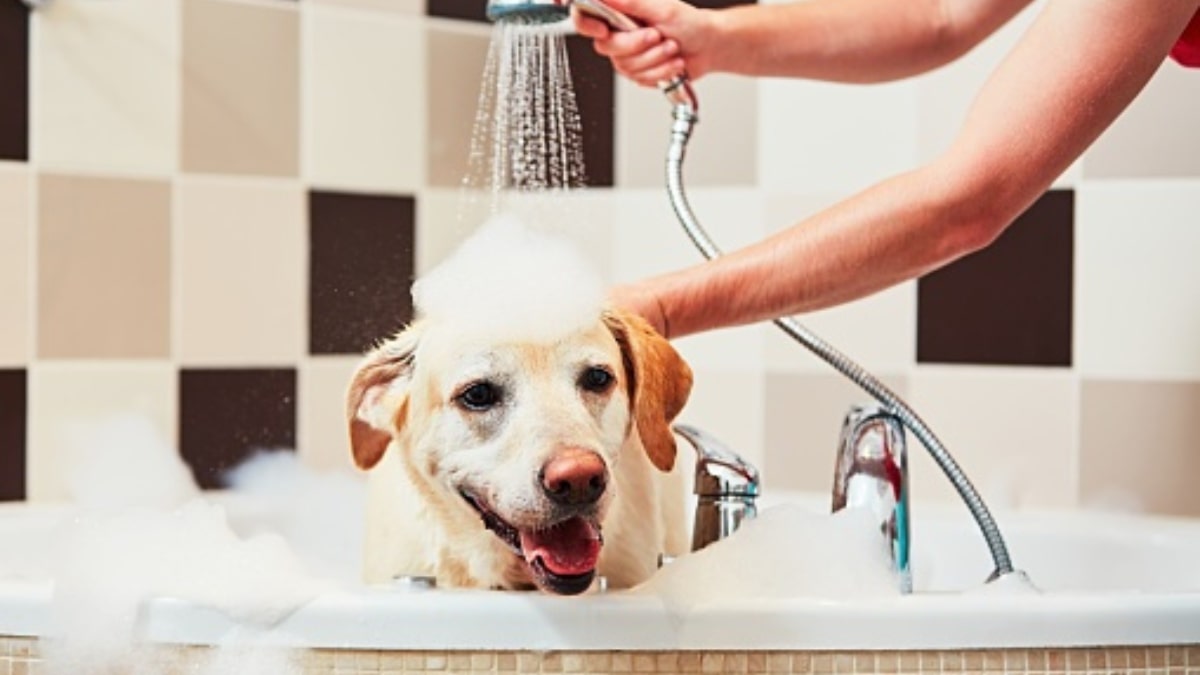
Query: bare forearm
(854, 40)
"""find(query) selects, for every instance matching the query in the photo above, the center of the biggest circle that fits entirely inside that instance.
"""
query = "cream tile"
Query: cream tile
(103, 267)
(878, 332)
(322, 433)
(241, 87)
(364, 120)
(804, 414)
(1156, 136)
(15, 233)
(242, 263)
(399, 6)
(1137, 297)
(64, 395)
(827, 136)
(444, 220)
(1138, 445)
(455, 65)
(723, 149)
(106, 85)
(1013, 431)
(729, 406)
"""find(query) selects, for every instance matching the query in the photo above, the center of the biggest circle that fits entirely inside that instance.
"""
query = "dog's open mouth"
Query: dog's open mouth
(561, 558)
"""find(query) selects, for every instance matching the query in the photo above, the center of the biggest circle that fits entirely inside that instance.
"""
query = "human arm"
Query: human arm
(839, 40)
(1079, 65)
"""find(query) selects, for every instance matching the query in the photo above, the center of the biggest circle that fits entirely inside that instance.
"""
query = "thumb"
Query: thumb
(646, 12)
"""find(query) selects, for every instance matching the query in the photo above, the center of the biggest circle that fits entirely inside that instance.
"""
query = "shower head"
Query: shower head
(527, 11)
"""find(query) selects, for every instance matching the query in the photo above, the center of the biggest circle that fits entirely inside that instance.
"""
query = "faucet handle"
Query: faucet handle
(720, 472)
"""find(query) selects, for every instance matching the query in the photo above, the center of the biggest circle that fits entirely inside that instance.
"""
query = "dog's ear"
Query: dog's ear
(377, 402)
(659, 383)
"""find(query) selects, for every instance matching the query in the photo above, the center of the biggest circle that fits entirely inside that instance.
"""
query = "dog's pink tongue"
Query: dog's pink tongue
(569, 548)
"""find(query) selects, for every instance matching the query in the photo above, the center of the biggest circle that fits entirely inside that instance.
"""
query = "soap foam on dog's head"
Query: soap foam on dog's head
(511, 282)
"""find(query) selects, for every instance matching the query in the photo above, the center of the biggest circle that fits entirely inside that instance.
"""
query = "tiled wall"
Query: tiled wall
(208, 207)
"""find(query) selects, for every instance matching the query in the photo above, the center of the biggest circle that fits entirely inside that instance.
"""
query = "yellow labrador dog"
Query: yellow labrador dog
(520, 463)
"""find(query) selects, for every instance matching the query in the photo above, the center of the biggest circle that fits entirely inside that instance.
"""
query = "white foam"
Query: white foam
(510, 281)
(787, 552)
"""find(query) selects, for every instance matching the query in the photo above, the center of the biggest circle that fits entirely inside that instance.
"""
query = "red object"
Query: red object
(1187, 50)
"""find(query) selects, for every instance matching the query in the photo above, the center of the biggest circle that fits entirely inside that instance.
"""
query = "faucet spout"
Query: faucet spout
(872, 474)
(726, 488)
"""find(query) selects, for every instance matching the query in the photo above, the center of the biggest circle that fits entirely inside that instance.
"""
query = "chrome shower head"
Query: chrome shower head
(527, 11)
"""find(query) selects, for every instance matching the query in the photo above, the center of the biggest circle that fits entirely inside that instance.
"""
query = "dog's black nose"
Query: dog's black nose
(574, 477)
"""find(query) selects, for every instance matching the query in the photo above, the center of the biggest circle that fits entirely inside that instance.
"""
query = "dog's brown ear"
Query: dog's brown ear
(659, 383)
(377, 402)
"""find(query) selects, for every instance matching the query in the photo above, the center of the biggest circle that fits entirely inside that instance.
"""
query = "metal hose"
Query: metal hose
(681, 131)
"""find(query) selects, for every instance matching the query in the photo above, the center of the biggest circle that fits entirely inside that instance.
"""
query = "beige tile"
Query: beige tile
(1012, 431)
(64, 396)
(1154, 136)
(399, 6)
(722, 150)
(241, 87)
(322, 432)
(242, 264)
(103, 267)
(1138, 445)
(106, 85)
(729, 407)
(15, 233)
(455, 63)
(364, 124)
(804, 416)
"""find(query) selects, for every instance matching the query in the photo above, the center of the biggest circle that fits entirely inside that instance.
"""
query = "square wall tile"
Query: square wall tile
(13, 405)
(63, 396)
(363, 126)
(242, 257)
(729, 406)
(106, 85)
(324, 442)
(1156, 136)
(833, 137)
(1012, 430)
(592, 79)
(361, 255)
(227, 415)
(15, 234)
(467, 10)
(804, 414)
(1009, 304)
(723, 149)
(1138, 303)
(241, 87)
(1138, 445)
(14, 73)
(399, 6)
(104, 261)
(455, 62)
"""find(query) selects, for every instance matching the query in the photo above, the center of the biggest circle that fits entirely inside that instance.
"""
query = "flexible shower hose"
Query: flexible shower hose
(681, 131)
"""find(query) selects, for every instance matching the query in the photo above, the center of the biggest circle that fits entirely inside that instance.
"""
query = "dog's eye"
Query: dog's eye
(480, 396)
(596, 379)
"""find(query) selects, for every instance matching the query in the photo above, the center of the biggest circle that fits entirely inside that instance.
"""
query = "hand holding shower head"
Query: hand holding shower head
(678, 91)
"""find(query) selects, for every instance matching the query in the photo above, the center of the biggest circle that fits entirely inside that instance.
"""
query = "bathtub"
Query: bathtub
(1119, 593)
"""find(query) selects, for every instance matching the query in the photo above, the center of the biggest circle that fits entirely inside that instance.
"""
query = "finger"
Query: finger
(628, 43)
(645, 11)
(588, 26)
(652, 58)
(656, 76)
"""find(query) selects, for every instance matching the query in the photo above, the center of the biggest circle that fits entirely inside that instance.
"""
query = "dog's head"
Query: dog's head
(521, 437)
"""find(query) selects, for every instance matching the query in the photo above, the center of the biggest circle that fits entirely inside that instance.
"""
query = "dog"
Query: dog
(521, 463)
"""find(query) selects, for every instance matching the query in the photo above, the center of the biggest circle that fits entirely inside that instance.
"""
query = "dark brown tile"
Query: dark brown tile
(594, 83)
(363, 249)
(13, 397)
(226, 415)
(1010, 304)
(468, 10)
(14, 81)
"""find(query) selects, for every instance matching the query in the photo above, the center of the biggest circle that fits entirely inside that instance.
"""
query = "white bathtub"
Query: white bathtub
(1105, 580)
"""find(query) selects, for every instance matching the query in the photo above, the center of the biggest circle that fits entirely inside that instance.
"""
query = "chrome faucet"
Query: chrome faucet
(872, 474)
(726, 488)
